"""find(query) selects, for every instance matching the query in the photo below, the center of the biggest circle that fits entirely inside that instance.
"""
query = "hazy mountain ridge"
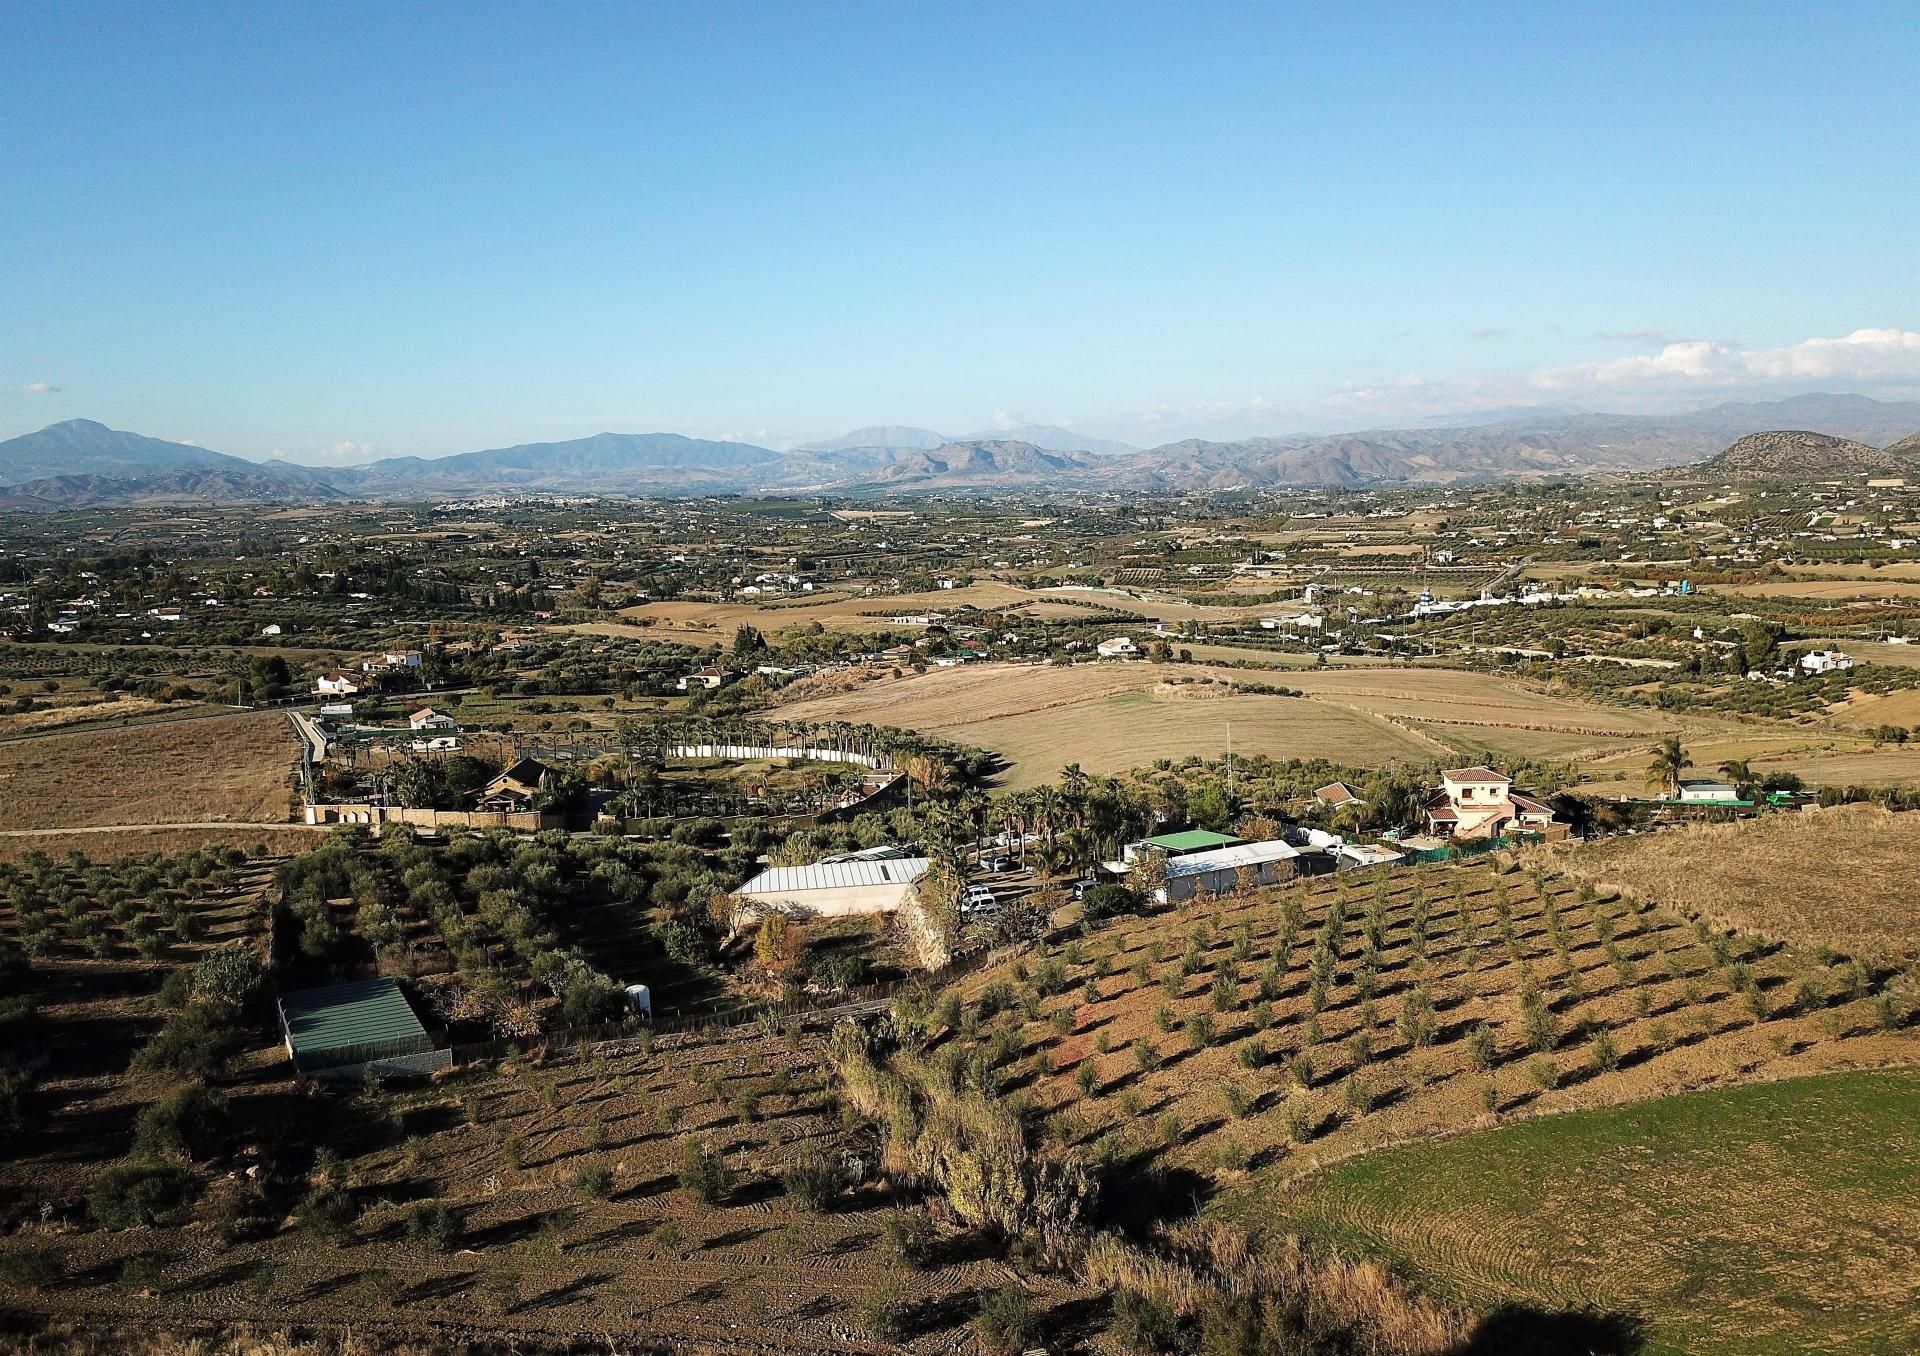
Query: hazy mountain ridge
(82, 462)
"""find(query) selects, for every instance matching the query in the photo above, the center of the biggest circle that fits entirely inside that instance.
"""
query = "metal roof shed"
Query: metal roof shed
(348, 1023)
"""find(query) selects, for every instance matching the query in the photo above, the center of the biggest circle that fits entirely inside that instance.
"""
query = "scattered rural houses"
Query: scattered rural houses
(834, 888)
(1119, 647)
(515, 788)
(1711, 793)
(1338, 794)
(426, 718)
(1825, 661)
(1479, 802)
(336, 684)
(708, 678)
(393, 661)
(1219, 870)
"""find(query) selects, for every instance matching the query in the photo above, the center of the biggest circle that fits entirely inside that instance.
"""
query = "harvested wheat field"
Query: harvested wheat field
(1753, 875)
(1110, 717)
(181, 771)
(1768, 1220)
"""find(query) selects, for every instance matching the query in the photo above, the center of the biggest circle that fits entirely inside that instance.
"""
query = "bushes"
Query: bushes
(593, 1181)
(131, 1194)
(812, 1181)
(1143, 1324)
(704, 1173)
(195, 1042)
(329, 1212)
(192, 1123)
(1006, 1322)
(911, 1239)
(884, 1314)
(434, 1224)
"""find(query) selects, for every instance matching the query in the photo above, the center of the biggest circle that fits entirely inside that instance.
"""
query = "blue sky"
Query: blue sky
(335, 231)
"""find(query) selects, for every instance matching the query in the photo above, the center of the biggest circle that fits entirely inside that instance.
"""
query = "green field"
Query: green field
(1777, 1218)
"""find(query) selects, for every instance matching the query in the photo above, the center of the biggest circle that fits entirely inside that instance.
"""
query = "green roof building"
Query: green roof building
(1179, 844)
(340, 1024)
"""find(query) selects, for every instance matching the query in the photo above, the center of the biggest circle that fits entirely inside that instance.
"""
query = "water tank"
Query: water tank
(640, 999)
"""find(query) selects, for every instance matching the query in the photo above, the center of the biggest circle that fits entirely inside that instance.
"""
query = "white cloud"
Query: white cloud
(1646, 336)
(1008, 419)
(1862, 357)
(342, 453)
(39, 388)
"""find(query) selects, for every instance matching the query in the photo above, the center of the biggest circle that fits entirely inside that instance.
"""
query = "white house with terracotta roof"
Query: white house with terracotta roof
(426, 718)
(336, 684)
(1480, 802)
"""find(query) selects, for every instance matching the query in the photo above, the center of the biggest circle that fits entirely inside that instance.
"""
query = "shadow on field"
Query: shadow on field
(1519, 1330)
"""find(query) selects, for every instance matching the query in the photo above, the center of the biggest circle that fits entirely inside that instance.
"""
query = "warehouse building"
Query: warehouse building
(832, 889)
(333, 1031)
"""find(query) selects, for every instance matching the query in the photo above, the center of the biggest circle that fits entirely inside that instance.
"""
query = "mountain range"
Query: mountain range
(80, 462)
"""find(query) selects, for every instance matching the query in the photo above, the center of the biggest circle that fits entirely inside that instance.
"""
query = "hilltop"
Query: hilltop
(1799, 452)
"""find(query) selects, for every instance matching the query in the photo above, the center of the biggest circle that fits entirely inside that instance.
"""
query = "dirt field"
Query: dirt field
(184, 771)
(1760, 1221)
(1109, 717)
(1752, 875)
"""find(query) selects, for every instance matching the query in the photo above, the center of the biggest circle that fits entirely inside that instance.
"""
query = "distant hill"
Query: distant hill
(881, 438)
(1794, 453)
(1907, 449)
(978, 464)
(80, 462)
(83, 447)
(1052, 438)
(613, 461)
(187, 485)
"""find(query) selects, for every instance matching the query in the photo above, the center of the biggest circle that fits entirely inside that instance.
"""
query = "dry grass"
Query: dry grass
(1769, 1220)
(78, 713)
(1110, 717)
(1843, 877)
(184, 771)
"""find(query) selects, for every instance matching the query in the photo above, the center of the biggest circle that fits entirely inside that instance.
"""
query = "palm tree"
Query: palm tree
(1740, 773)
(1669, 761)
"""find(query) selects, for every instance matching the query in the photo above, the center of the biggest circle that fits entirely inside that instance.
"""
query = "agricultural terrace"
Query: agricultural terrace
(1286, 1029)
(1752, 876)
(1767, 1220)
(229, 767)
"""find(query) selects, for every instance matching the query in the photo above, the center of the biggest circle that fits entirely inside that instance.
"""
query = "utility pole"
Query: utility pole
(1229, 760)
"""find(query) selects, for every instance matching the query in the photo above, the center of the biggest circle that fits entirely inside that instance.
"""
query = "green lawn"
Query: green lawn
(1779, 1218)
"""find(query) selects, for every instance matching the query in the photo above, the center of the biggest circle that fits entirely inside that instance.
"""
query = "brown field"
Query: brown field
(1465, 698)
(1753, 875)
(1828, 590)
(79, 712)
(1864, 712)
(182, 771)
(1108, 717)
